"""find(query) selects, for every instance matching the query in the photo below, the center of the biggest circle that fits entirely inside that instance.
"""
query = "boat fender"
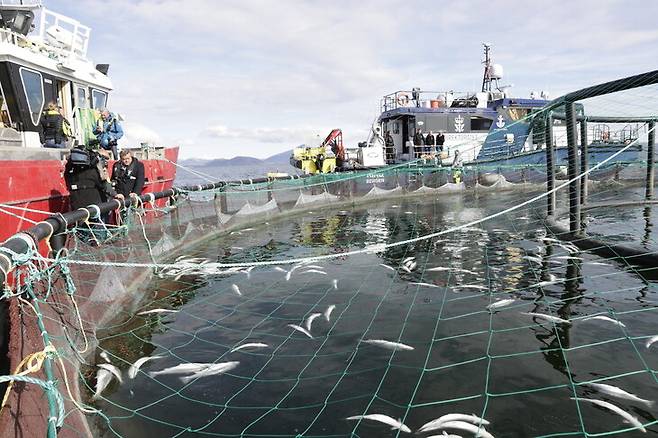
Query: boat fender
(403, 99)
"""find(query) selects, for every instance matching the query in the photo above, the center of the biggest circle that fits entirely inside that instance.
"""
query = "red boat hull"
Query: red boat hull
(39, 185)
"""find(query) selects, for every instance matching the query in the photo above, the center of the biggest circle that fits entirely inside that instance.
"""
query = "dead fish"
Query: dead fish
(617, 410)
(471, 286)
(652, 340)
(442, 268)
(310, 319)
(301, 329)
(103, 378)
(327, 313)
(501, 303)
(184, 368)
(313, 267)
(420, 283)
(106, 357)
(467, 427)
(605, 318)
(407, 260)
(248, 271)
(389, 345)
(334, 282)
(238, 248)
(395, 424)
(114, 370)
(614, 391)
(280, 269)
(444, 435)
(410, 267)
(597, 264)
(249, 345)
(314, 271)
(547, 317)
(387, 267)
(134, 368)
(533, 259)
(149, 312)
(211, 370)
(549, 240)
(236, 289)
(436, 424)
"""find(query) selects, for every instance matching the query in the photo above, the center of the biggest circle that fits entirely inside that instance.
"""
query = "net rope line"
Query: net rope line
(376, 248)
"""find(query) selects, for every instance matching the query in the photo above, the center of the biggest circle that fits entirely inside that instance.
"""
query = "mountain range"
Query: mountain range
(281, 158)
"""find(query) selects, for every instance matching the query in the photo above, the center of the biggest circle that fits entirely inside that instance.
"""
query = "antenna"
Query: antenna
(486, 79)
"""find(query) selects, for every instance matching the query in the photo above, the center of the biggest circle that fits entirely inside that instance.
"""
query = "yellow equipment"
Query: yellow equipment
(313, 160)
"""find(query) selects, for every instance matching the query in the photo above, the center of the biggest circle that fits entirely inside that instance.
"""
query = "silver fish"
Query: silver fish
(407, 260)
(651, 341)
(248, 271)
(467, 427)
(211, 370)
(388, 344)
(103, 378)
(604, 318)
(134, 368)
(313, 267)
(334, 282)
(301, 329)
(444, 435)
(395, 424)
(425, 284)
(617, 410)
(436, 424)
(314, 271)
(236, 289)
(310, 319)
(444, 268)
(471, 286)
(280, 269)
(148, 312)
(501, 303)
(327, 313)
(114, 370)
(184, 368)
(387, 267)
(249, 345)
(106, 357)
(533, 259)
(547, 317)
(619, 393)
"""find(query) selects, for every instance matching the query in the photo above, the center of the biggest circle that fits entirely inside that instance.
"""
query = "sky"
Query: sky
(255, 78)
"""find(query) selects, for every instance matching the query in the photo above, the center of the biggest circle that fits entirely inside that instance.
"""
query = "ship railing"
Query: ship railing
(31, 4)
(427, 99)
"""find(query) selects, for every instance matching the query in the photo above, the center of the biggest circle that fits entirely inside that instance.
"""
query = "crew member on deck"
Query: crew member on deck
(440, 140)
(429, 142)
(389, 145)
(55, 130)
(128, 175)
(419, 143)
(108, 132)
(84, 176)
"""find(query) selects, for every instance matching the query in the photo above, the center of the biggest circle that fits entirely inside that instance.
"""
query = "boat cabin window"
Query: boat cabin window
(33, 88)
(81, 97)
(480, 124)
(98, 99)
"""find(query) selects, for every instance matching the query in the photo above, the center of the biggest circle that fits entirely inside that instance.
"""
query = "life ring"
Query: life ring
(403, 99)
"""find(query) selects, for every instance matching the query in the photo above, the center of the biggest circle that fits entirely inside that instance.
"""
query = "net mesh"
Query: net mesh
(301, 307)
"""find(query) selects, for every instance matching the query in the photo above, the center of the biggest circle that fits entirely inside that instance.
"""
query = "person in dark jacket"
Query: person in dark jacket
(128, 175)
(54, 127)
(429, 142)
(85, 180)
(440, 140)
(419, 143)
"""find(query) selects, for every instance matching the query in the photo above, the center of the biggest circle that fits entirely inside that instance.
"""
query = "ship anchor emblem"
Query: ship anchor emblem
(501, 122)
(459, 123)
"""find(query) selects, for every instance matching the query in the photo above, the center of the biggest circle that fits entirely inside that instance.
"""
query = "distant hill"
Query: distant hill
(282, 158)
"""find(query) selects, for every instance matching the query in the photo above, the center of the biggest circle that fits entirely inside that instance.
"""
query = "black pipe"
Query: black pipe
(584, 161)
(550, 166)
(606, 119)
(610, 87)
(574, 188)
(650, 160)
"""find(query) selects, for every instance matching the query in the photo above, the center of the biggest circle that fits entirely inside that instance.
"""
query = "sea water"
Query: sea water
(517, 371)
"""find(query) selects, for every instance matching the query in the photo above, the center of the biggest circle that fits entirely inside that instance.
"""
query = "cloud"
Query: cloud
(273, 72)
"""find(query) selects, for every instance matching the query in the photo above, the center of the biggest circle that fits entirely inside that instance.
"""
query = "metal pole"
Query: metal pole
(550, 166)
(584, 161)
(651, 143)
(574, 187)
